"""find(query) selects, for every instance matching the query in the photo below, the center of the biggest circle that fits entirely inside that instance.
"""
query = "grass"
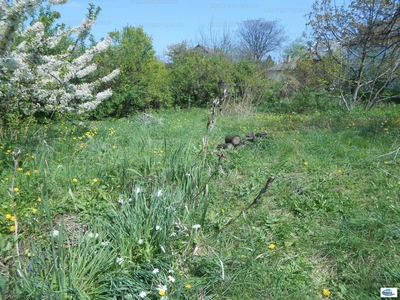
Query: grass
(140, 205)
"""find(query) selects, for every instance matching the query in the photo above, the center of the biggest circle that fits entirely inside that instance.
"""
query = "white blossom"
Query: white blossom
(196, 226)
(45, 79)
(119, 260)
(155, 271)
(170, 278)
(159, 193)
(158, 228)
(142, 294)
(55, 233)
(93, 235)
(84, 28)
(111, 76)
(83, 59)
(36, 28)
(103, 45)
(86, 71)
(103, 95)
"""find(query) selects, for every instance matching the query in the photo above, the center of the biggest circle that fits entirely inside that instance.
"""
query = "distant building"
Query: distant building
(277, 72)
(203, 50)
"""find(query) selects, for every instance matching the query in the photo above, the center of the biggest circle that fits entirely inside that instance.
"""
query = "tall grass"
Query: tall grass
(126, 210)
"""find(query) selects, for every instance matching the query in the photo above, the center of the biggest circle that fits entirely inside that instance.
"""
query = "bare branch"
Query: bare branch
(260, 37)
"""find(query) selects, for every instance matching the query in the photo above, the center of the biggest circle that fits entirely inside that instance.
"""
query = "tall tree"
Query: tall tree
(260, 37)
(363, 39)
(143, 81)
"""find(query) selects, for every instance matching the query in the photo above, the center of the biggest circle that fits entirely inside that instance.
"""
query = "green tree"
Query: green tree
(296, 49)
(143, 81)
(197, 78)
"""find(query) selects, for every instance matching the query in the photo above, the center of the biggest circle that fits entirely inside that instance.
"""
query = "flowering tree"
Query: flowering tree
(32, 80)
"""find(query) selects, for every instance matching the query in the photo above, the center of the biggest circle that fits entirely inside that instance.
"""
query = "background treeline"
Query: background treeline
(360, 68)
(192, 78)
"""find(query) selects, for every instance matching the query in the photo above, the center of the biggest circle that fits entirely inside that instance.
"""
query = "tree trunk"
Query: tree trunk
(232, 139)
(225, 146)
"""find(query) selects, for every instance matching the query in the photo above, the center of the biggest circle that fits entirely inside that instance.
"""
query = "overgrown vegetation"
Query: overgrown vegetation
(134, 200)
(136, 205)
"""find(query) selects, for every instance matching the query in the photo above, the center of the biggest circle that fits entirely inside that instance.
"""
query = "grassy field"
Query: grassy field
(145, 208)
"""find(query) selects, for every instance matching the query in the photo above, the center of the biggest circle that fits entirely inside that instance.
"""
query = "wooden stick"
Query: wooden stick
(263, 191)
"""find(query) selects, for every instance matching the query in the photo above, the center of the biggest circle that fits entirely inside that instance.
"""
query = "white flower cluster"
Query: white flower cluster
(45, 81)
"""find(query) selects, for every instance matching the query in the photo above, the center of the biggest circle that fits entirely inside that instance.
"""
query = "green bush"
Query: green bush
(143, 82)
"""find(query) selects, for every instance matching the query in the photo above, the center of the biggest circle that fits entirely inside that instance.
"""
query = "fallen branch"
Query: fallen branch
(395, 151)
(263, 191)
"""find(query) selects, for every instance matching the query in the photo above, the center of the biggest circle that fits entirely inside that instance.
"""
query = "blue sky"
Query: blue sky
(171, 21)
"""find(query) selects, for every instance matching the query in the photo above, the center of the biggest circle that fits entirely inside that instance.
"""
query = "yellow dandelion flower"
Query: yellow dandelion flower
(15, 204)
(271, 246)
(39, 199)
(188, 286)
(161, 292)
(339, 171)
(8, 151)
(114, 147)
(4, 207)
(20, 169)
(12, 219)
(306, 163)
(95, 180)
(74, 180)
(35, 171)
(16, 189)
(12, 228)
(32, 156)
(222, 210)
(28, 173)
(6, 179)
(34, 210)
(326, 292)
(386, 163)
(8, 216)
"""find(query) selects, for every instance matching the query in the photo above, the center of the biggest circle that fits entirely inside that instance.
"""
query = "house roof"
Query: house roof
(203, 49)
(283, 66)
